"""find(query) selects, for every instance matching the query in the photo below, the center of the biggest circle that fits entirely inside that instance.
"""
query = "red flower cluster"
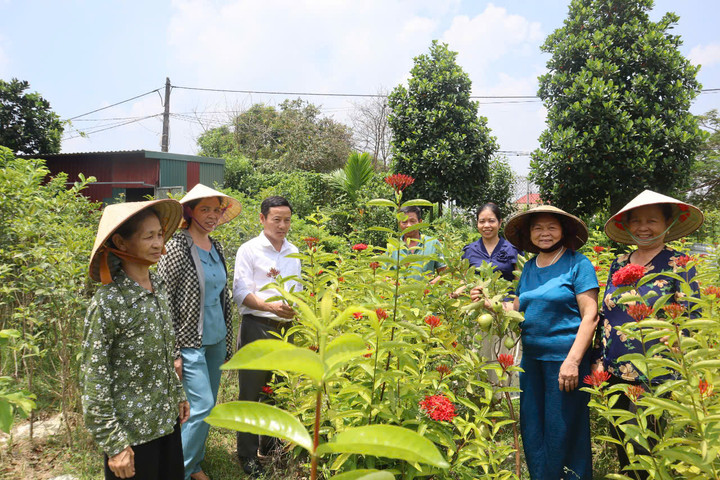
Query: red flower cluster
(314, 348)
(628, 275)
(381, 314)
(597, 268)
(454, 344)
(267, 390)
(432, 320)
(598, 248)
(426, 291)
(374, 265)
(639, 311)
(506, 361)
(634, 392)
(438, 407)
(358, 315)
(369, 354)
(443, 369)
(674, 310)
(274, 272)
(358, 247)
(399, 182)
(341, 279)
(705, 389)
(597, 378)
(712, 290)
(683, 260)
(310, 241)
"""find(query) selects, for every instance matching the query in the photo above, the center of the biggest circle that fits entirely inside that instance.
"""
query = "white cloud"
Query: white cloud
(705, 55)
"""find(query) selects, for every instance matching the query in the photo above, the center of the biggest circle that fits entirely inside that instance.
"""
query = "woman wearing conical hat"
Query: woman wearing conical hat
(647, 222)
(133, 401)
(195, 271)
(557, 292)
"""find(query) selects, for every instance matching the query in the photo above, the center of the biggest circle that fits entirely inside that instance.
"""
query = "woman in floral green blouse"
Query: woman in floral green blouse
(133, 402)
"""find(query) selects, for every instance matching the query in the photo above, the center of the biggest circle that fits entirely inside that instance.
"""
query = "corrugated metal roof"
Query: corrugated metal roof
(130, 153)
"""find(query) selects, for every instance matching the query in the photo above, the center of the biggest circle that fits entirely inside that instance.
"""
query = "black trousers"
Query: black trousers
(159, 459)
(251, 381)
(625, 403)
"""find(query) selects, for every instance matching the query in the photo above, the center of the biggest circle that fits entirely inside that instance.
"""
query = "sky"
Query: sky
(83, 55)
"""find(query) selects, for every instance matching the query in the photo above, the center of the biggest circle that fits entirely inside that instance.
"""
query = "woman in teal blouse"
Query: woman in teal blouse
(133, 402)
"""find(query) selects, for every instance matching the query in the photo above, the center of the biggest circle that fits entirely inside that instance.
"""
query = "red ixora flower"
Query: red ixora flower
(712, 290)
(314, 348)
(597, 268)
(273, 273)
(341, 279)
(359, 247)
(705, 389)
(358, 315)
(634, 392)
(381, 314)
(369, 354)
(311, 241)
(597, 378)
(443, 369)
(674, 310)
(374, 265)
(506, 361)
(438, 407)
(267, 390)
(639, 311)
(598, 248)
(432, 320)
(426, 291)
(454, 344)
(628, 275)
(683, 260)
(399, 182)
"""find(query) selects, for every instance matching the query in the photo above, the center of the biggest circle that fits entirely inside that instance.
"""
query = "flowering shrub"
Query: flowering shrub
(438, 407)
(628, 275)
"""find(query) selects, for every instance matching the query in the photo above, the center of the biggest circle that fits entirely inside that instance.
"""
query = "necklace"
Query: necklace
(557, 255)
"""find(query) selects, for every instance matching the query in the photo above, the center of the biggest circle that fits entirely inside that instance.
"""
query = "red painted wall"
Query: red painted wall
(193, 174)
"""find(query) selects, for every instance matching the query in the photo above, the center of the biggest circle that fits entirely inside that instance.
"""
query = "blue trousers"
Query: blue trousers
(201, 380)
(555, 425)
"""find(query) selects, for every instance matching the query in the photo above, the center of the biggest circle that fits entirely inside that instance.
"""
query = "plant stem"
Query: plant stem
(316, 435)
(515, 432)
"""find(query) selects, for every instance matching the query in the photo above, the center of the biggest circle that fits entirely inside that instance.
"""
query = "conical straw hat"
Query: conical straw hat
(231, 205)
(169, 211)
(686, 218)
(517, 231)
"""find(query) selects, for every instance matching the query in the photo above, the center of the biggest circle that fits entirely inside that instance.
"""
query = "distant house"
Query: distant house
(528, 201)
(136, 174)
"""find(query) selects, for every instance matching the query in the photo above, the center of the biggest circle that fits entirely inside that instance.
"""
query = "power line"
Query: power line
(115, 104)
(122, 124)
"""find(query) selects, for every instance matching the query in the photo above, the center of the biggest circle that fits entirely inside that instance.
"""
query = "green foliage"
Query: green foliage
(295, 136)
(500, 189)
(618, 94)
(358, 171)
(27, 125)
(705, 173)
(438, 137)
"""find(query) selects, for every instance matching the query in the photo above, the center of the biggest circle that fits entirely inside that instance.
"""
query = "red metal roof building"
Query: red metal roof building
(136, 174)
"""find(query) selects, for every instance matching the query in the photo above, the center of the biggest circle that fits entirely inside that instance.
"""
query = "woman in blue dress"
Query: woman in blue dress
(195, 271)
(557, 292)
(648, 222)
(491, 247)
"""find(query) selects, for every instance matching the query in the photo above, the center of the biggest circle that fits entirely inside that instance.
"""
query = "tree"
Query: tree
(438, 137)
(501, 186)
(295, 136)
(27, 125)
(358, 171)
(705, 187)
(371, 132)
(618, 94)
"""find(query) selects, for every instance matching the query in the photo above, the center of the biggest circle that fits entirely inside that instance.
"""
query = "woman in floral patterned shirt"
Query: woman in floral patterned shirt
(133, 402)
(648, 221)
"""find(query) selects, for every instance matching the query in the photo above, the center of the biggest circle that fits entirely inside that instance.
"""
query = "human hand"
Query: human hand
(178, 367)
(673, 348)
(568, 377)
(123, 464)
(476, 294)
(281, 309)
(598, 366)
(184, 412)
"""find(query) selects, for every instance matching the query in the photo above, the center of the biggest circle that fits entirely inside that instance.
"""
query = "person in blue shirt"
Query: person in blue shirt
(557, 292)
(491, 247)
(195, 271)
(416, 243)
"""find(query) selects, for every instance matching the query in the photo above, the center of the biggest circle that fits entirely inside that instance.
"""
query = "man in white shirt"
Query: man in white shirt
(260, 261)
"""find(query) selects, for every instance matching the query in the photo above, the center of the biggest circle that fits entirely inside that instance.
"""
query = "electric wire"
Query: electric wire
(114, 104)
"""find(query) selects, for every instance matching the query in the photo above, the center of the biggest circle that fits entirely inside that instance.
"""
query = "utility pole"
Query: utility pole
(166, 118)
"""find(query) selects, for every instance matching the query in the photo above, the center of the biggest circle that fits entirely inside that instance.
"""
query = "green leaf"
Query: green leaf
(385, 441)
(6, 416)
(417, 202)
(341, 349)
(268, 354)
(365, 474)
(714, 364)
(262, 419)
(382, 202)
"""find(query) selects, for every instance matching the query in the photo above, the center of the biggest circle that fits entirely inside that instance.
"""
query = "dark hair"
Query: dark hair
(412, 209)
(130, 226)
(190, 206)
(665, 208)
(569, 231)
(492, 207)
(274, 201)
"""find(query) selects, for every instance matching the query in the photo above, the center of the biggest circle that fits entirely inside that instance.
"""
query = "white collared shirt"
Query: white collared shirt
(258, 263)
